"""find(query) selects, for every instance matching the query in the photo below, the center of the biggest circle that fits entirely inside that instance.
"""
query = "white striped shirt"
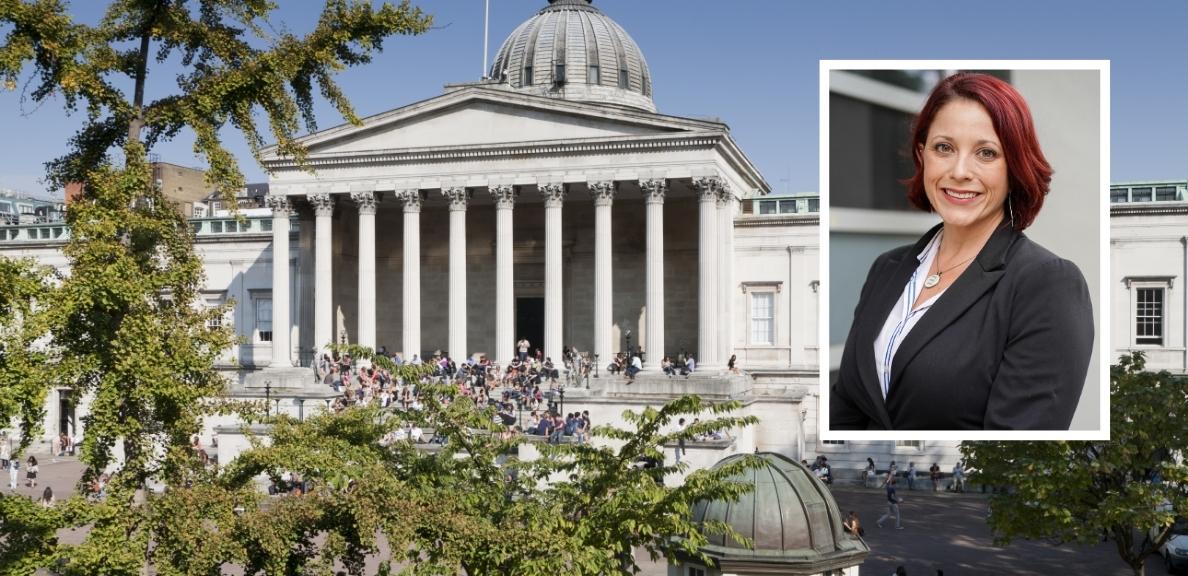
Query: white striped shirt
(903, 318)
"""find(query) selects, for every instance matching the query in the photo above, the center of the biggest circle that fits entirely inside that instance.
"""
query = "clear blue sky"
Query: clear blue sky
(752, 63)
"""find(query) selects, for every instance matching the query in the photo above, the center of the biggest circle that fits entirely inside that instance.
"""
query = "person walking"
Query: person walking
(934, 474)
(893, 502)
(14, 466)
(680, 449)
(911, 475)
(31, 471)
(958, 477)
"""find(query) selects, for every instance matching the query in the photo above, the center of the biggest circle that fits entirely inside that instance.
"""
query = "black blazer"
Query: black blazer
(1006, 347)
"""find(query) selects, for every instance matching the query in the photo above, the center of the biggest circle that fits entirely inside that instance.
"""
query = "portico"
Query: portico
(436, 225)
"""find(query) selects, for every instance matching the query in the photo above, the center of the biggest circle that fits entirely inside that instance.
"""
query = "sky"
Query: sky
(750, 63)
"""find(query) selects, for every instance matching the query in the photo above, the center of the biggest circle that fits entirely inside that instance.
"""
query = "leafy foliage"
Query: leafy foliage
(1083, 491)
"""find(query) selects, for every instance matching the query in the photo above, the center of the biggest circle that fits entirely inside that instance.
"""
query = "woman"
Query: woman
(47, 497)
(31, 471)
(975, 326)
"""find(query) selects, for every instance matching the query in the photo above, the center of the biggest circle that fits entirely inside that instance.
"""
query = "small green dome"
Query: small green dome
(790, 516)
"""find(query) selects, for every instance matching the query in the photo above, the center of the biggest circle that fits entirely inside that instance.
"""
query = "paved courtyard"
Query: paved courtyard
(941, 531)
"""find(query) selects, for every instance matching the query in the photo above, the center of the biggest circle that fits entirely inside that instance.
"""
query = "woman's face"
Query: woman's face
(965, 172)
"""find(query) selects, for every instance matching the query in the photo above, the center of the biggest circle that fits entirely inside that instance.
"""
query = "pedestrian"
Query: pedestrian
(958, 477)
(911, 475)
(893, 501)
(934, 474)
(14, 466)
(680, 449)
(47, 497)
(5, 449)
(869, 474)
(31, 471)
(853, 525)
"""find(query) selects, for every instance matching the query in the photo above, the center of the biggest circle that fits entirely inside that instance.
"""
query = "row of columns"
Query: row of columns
(716, 207)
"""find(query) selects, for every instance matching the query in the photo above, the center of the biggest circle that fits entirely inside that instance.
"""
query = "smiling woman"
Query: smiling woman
(974, 326)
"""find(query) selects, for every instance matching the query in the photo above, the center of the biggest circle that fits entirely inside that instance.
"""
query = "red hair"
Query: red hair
(1028, 172)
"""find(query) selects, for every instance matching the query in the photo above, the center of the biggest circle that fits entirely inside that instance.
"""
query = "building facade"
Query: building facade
(1148, 259)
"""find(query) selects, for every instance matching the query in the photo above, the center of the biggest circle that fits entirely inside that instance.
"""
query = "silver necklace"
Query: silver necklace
(935, 279)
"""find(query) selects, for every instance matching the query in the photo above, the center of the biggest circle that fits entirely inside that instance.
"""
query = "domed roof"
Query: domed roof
(571, 50)
(790, 516)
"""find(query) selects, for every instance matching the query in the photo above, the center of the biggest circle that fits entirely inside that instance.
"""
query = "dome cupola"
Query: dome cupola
(791, 517)
(571, 50)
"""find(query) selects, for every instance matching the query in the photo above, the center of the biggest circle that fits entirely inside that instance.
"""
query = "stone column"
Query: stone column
(458, 198)
(505, 302)
(604, 195)
(412, 272)
(653, 192)
(323, 205)
(554, 198)
(726, 274)
(367, 202)
(281, 349)
(707, 264)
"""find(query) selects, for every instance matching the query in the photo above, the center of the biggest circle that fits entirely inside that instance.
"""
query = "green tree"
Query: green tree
(472, 504)
(1084, 491)
(123, 328)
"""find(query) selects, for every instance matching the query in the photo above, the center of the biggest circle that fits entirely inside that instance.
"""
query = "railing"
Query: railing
(203, 228)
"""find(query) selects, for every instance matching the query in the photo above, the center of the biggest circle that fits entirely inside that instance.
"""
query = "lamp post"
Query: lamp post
(267, 397)
(561, 395)
(596, 365)
(300, 408)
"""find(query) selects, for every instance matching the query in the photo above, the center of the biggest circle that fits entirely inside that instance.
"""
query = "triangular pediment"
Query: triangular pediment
(482, 116)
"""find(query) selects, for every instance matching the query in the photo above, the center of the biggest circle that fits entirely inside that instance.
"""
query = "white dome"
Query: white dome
(571, 50)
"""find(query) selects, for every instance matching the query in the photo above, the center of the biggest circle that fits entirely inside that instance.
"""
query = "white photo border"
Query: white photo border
(1102, 338)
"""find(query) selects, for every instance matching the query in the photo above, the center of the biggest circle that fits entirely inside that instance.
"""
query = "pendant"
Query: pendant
(931, 281)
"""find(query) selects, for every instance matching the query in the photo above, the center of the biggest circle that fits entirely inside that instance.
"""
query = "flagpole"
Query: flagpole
(486, 22)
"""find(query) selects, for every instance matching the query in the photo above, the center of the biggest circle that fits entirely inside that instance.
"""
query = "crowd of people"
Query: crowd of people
(529, 382)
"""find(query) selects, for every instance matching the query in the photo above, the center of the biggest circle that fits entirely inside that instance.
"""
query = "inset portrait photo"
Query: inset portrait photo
(966, 218)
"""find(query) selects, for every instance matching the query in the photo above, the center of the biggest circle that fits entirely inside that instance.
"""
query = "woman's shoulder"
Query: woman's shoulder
(1032, 262)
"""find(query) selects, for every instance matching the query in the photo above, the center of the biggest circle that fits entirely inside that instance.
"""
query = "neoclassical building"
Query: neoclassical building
(549, 202)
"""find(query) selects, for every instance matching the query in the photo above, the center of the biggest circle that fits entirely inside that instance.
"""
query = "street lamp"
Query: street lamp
(561, 395)
(595, 365)
(300, 408)
(267, 397)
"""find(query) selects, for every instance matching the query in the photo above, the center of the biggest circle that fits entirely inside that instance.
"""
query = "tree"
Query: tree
(126, 312)
(1085, 491)
(123, 327)
(473, 504)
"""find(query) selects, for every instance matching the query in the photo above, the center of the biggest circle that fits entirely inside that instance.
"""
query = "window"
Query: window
(592, 76)
(1140, 194)
(526, 79)
(1148, 316)
(767, 206)
(559, 73)
(694, 571)
(624, 79)
(216, 227)
(787, 207)
(910, 444)
(814, 205)
(264, 319)
(214, 301)
(266, 224)
(763, 318)
(1165, 193)
(1119, 195)
(199, 212)
(834, 442)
